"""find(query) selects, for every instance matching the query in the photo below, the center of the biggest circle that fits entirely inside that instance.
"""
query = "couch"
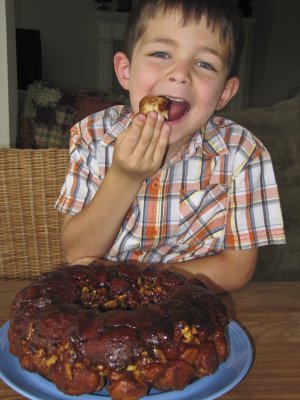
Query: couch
(47, 112)
(31, 177)
(278, 127)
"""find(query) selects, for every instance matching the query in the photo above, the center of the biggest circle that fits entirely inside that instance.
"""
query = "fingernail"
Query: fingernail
(141, 117)
(160, 118)
(153, 114)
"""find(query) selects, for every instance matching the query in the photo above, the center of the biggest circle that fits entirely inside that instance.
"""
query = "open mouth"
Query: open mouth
(177, 108)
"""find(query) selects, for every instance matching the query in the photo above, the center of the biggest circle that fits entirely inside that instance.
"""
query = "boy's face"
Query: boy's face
(188, 64)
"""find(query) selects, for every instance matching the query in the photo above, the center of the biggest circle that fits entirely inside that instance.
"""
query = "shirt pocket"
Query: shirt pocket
(203, 217)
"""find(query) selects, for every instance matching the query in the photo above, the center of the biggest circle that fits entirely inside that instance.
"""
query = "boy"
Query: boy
(195, 194)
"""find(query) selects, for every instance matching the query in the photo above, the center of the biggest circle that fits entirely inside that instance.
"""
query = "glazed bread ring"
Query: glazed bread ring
(113, 323)
(158, 104)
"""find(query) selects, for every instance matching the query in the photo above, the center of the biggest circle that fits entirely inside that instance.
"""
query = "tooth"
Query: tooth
(178, 100)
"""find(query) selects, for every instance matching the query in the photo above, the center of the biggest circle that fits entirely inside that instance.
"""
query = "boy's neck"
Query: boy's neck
(172, 150)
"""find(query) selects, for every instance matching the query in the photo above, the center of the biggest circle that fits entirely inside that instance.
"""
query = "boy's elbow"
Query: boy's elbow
(242, 280)
(235, 269)
(241, 268)
(71, 249)
(69, 258)
(73, 256)
(77, 254)
(69, 255)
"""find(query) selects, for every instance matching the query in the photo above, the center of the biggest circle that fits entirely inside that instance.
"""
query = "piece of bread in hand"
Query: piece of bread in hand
(158, 104)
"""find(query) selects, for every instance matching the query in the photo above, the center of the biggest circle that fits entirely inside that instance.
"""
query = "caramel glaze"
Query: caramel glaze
(83, 327)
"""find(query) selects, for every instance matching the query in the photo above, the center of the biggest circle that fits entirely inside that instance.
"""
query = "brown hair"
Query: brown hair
(222, 15)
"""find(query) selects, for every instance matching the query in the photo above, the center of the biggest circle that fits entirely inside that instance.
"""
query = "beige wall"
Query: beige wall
(8, 86)
(68, 30)
(69, 42)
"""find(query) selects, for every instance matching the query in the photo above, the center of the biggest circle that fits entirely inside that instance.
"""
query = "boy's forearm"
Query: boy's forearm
(224, 272)
(91, 232)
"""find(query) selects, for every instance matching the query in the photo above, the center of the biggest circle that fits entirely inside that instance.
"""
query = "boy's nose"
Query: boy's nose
(179, 74)
(178, 80)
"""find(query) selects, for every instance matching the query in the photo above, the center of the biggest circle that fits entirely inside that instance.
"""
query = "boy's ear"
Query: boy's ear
(121, 65)
(230, 89)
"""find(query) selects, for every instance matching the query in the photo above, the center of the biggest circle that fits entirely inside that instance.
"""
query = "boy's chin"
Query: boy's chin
(178, 137)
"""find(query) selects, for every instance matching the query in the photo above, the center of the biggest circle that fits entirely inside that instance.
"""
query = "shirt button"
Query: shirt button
(155, 185)
(151, 232)
(138, 252)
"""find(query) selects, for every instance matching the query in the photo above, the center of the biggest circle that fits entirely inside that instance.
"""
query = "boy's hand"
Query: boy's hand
(140, 149)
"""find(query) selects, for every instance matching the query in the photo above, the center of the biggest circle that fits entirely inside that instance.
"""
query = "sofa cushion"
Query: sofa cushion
(89, 102)
(49, 113)
(278, 127)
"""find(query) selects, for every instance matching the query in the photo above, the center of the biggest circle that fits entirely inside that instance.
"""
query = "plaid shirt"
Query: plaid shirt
(219, 192)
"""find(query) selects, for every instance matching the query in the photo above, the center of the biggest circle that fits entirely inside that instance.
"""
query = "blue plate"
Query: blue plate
(34, 387)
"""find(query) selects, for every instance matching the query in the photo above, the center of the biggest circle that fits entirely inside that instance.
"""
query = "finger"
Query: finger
(162, 144)
(150, 134)
(153, 121)
(129, 138)
(155, 136)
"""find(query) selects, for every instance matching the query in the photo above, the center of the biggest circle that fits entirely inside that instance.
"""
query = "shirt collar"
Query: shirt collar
(213, 135)
(116, 120)
(209, 140)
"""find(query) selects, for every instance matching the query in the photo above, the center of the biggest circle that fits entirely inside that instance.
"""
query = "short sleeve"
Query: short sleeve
(91, 149)
(254, 212)
(83, 175)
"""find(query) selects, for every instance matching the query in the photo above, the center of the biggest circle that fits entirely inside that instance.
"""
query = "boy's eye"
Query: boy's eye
(160, 54)
(203, 64)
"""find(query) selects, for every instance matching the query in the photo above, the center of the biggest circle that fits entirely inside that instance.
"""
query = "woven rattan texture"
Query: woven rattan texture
(30, 181)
